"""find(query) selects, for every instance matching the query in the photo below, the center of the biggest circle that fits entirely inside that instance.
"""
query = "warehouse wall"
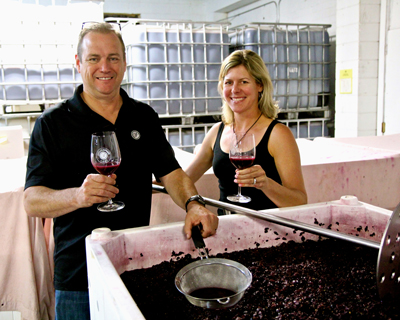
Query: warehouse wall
(296, 11)
(389, 67)
(357, 51)
(287, 11)
(162, 10)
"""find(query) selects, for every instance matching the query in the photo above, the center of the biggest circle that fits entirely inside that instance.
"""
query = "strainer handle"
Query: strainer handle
(199, 242)
(224, 300)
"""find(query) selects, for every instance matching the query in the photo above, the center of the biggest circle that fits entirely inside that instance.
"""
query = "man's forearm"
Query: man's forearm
(44, 202)
(179, 186)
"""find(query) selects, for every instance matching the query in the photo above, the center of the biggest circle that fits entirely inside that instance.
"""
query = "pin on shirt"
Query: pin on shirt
(135, 135)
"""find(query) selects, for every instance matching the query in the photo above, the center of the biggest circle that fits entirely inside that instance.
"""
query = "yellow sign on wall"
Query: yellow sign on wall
(346, 81)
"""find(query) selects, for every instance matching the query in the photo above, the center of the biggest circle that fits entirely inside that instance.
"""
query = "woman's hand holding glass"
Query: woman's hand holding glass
(242, 153)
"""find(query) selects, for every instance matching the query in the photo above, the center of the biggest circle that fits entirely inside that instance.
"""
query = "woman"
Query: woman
(275, 179)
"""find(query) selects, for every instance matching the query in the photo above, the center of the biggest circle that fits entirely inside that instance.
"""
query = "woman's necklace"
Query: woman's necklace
(233, 126)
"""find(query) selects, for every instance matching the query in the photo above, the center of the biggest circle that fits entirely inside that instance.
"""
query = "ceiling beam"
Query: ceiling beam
(229, 6)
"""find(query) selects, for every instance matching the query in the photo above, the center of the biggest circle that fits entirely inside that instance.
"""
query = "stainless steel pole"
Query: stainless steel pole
(286, 222)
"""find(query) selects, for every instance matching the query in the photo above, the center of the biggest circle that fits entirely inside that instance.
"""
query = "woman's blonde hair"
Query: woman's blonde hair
(257, 69)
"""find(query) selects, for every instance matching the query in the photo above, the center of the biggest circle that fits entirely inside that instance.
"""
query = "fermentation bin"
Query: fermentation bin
(110, 253)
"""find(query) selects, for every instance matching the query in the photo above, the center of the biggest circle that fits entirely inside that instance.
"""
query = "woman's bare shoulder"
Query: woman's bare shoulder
(281, 139)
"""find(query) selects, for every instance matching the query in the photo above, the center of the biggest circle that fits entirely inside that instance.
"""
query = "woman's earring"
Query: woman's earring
(260, 94)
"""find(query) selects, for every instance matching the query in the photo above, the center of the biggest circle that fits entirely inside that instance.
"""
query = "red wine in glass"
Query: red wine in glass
(106, 158)
(242, 162)
(106, 169)
(242, 152)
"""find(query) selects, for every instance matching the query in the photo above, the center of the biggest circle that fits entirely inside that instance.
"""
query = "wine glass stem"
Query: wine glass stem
(109, 200)
(239, 190)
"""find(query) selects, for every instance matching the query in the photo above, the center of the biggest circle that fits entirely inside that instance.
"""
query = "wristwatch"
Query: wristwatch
(197, 198)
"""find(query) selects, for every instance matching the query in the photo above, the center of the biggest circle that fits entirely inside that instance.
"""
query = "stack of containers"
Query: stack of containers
(37, 61)
(174, 66)
(297, 58)
(187, 137)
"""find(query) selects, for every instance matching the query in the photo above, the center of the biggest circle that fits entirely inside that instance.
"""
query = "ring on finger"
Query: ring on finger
(254, 180)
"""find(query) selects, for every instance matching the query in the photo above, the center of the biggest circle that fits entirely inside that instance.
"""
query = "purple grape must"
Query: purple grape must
(327, 279)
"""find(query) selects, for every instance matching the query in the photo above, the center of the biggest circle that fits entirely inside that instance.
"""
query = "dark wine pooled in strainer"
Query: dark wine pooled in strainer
(212, 293)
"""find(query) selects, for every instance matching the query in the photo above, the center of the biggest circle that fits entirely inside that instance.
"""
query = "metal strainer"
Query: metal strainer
(215, 273)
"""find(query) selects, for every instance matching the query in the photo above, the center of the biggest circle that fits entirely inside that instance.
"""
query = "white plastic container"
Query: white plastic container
(38, 81)
(115, 252)
(187, 138)
(174, 67)
(37, 71)
(309, 129)
(297, 58)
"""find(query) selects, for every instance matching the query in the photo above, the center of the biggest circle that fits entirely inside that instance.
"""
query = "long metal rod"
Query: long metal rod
(286, 222)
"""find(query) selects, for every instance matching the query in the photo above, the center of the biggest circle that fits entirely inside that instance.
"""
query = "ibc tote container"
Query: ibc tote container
(36, 63)
(296, 57)
(174, 66)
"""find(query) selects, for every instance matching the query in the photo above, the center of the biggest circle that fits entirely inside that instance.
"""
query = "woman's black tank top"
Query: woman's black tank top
(225, 172)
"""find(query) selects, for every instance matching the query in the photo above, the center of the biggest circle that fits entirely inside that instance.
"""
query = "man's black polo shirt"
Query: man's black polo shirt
(59, 158)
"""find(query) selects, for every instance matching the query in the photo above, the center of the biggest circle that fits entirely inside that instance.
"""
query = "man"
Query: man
(61, 182)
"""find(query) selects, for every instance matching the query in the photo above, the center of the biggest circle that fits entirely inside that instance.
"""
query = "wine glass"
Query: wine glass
(106, 158)
(242, 152)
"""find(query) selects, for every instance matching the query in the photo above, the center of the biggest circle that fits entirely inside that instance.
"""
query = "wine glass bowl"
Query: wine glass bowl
(242, 153)
(106, 158)
(241, 162)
